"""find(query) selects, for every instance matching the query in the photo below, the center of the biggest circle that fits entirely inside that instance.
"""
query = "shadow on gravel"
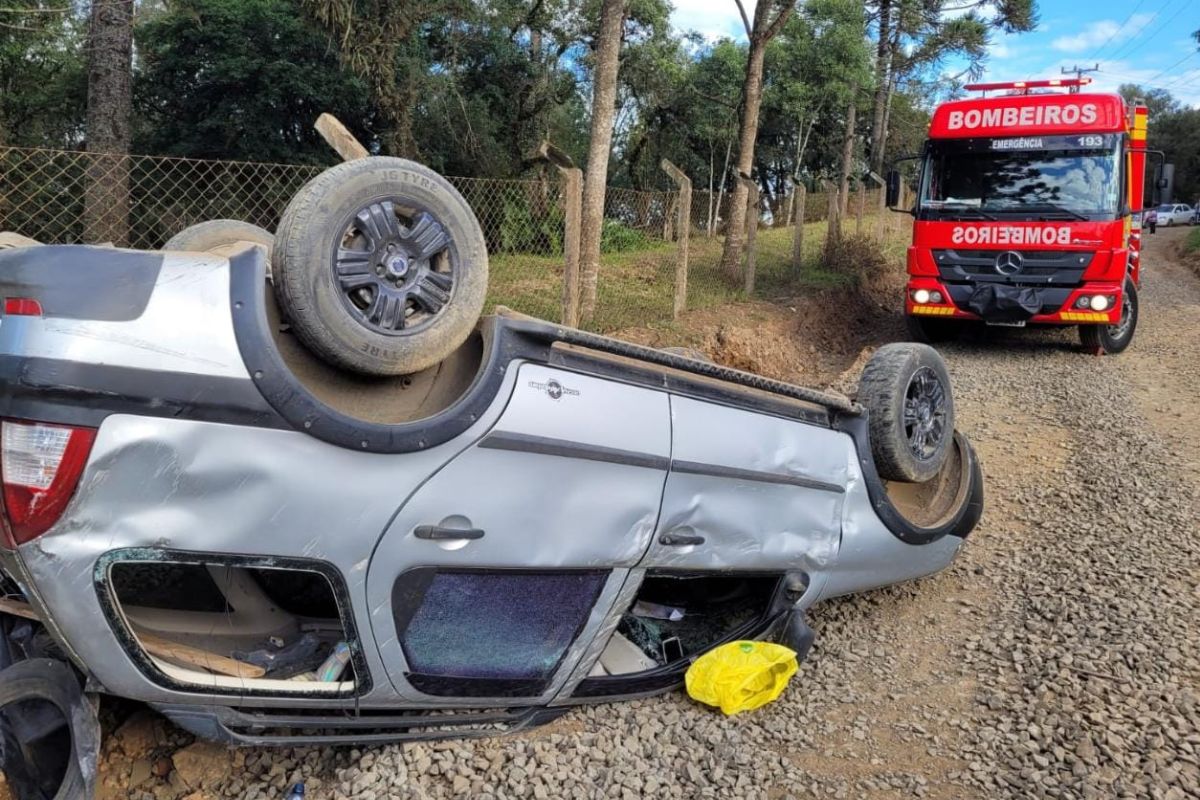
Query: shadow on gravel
(985, 341)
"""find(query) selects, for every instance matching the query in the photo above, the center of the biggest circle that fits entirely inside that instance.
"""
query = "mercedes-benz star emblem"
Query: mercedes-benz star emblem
(1009, 262)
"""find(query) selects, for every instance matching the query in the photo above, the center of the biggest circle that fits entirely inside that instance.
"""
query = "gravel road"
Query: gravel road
(1056, 658)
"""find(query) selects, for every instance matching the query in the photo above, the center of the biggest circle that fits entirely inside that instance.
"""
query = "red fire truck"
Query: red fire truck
(1028, 212)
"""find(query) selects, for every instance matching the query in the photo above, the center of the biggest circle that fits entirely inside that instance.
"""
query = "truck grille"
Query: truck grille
(1037, 268)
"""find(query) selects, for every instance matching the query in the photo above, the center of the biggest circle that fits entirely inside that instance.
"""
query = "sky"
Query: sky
(1135, 41)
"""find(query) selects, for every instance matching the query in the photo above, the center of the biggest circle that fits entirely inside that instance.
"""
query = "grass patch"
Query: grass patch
(636, 287)
(1192, 243)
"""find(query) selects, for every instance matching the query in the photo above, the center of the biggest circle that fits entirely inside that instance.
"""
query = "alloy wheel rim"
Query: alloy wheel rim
(395, 269)
(925, 406)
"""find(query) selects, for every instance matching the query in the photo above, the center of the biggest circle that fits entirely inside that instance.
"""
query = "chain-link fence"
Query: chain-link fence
(524, 223)
(135, 201)
(141, 201)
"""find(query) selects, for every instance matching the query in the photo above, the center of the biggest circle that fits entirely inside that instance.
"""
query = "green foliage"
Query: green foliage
(1158, 102)
(617, 237)
(1192, 243)
(522, 231)
(43, 75)
(240, 79)
(1175, 130)
(931, 31)
(472, 88)
(1177, 134)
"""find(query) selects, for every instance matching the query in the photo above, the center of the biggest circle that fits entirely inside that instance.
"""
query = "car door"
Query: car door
(749, 491)
(496, 573)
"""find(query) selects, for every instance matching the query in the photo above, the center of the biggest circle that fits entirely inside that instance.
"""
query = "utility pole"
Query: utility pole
(1079, 73)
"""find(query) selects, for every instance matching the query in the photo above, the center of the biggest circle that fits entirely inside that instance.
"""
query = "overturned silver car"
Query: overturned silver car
(210, 508)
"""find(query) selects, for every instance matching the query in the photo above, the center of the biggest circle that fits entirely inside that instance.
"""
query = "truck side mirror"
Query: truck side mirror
(893, 188)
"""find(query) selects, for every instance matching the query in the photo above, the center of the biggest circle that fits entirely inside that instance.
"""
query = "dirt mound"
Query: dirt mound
(809, 340)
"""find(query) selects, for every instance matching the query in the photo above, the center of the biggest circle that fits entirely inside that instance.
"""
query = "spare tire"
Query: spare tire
(205, 236)
(905, 389)
(380, 266)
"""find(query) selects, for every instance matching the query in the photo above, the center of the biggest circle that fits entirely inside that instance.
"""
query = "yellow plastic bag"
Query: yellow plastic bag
(741, 676)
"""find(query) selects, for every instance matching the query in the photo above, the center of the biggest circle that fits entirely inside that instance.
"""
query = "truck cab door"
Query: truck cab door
(497, 571)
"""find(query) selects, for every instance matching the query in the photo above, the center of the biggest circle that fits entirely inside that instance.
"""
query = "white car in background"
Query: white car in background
(1175, 214)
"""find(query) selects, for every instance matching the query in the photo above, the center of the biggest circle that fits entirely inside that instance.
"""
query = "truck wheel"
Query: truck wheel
(381, 266)
(928, 330)
(43, 752)
(205, 236)
(905, 389)
(1112, 339)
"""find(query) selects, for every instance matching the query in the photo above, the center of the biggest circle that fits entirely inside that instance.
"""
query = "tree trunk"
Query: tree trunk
(887, 117)
(883, 82)
(735, 226)
(847, 160)
(109, 109)
(724, 178)
(712, 168)
(604, 109)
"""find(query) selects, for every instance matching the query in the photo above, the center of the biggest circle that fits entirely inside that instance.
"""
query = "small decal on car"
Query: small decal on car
(553, 389)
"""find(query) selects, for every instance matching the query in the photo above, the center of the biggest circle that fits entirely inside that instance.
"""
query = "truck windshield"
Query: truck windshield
(976, 179)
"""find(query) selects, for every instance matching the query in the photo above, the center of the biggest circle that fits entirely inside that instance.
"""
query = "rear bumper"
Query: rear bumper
(1054, 305)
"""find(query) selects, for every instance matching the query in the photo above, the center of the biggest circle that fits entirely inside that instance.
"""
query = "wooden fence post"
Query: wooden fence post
(862, 199)
(799, 194)
(881, 223)
(683, 229)
(339, 138)
(752, 219)
(833, 232)
(573, 205)
(572, 228)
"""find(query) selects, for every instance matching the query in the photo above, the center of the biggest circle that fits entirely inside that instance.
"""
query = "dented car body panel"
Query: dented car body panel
(482, 557)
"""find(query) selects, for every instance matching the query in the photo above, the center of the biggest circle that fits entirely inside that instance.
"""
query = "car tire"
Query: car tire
(206, 236)
(52, 682)
(1103, 340)
(380, 266)
(927, 330)
(905, 389)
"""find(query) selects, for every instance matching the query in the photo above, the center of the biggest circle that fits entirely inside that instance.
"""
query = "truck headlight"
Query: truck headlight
(921, 296)
(1100, 303)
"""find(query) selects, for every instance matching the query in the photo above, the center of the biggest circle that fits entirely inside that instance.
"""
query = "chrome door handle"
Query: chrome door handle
(680, 539)
(438, 533)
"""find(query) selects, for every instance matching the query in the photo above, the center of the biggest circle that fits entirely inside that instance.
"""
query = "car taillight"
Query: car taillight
(22, 307)
(40, 465)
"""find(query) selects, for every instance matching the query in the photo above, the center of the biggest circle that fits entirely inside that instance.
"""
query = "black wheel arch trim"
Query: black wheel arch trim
(506, 338)
(960, 525)
(305, 412)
